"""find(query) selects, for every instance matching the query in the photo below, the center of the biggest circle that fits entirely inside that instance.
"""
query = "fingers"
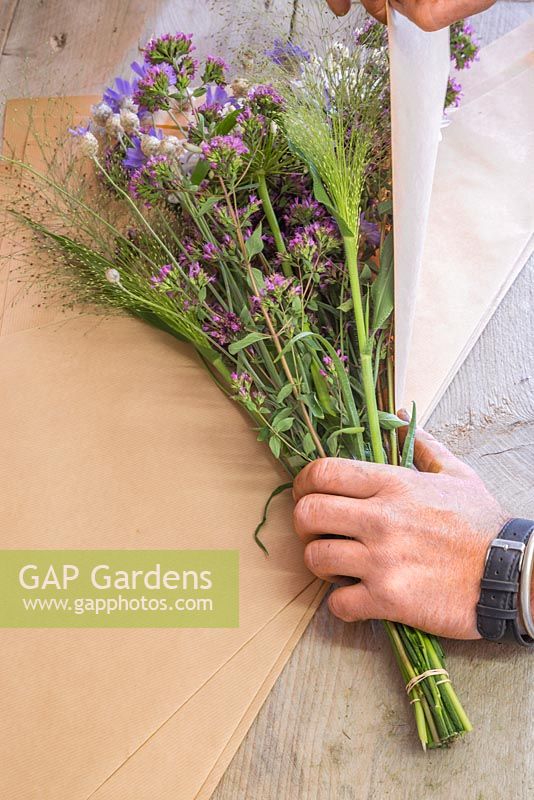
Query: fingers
(330, 558)
(353, 603)
(431, 15)
(377, 9)
(317, 514)
(339, 7)
(430, 455)
(344, 476)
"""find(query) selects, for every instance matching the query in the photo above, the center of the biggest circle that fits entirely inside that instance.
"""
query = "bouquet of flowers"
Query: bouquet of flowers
(252, 219)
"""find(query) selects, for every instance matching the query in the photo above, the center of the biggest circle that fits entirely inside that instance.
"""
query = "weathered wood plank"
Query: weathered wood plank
(7, 13)
(57, 47)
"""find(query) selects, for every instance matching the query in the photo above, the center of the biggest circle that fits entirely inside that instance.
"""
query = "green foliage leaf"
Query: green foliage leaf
(322, 387)
(284, 425)
(275, 445)
(263, 435)
(348, 305)
(382, 291)
(390, 422)
(331, 442)
(254, 243)
(207, 205)
(225, 125)
(282, 414)
(386, 207)
(308, 445)
(284, 393)
(246, 341)
(350, 406)
(279, 489)
(199, 173)
(259, 278)
(409, 442)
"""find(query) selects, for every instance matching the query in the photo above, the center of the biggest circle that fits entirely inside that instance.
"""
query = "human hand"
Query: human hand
(418, 540)
(430, 15)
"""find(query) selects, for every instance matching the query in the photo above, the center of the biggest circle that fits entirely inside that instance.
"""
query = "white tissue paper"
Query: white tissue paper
(419, 67)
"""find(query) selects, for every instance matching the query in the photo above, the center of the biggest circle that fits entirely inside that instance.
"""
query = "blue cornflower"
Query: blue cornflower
(80, 130)
(123, 91)
(370, 231)
(217, 96)
(134, 157)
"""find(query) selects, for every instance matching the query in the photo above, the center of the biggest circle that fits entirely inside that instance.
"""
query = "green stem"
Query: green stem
(365, 347)
(393, 438)
(268, 210)
(448, 689)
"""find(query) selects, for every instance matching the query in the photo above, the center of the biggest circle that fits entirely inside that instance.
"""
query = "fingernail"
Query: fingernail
(403, 414)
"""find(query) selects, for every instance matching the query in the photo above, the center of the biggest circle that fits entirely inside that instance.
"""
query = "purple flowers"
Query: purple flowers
(265, 98)
(154, 85)
(147, 182)
(276, 290)
(370, 232)
(216, 98)
(135, 158)
(174, 52)
(163, 274)
(464, 52)
(303, 210)
(214, 71)
(328, 369)
(241, 383)
(275, 282)
(287, 54)
(454, 94)
(224, 150)
(245, 392)
(168, 48)
(223, 326)
(464, 45)
(117, 97)
(371, 34)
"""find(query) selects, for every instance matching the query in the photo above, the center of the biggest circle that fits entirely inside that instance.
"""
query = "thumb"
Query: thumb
(339, 7)
(353, 604)
(429, 454)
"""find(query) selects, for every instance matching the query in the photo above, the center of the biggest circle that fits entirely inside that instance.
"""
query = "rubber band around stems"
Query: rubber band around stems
(427, 674)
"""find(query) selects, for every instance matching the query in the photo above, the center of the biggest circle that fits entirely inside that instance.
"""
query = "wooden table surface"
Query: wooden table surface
(337, 725)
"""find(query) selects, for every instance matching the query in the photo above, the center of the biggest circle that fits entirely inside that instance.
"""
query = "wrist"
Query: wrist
(510, 556)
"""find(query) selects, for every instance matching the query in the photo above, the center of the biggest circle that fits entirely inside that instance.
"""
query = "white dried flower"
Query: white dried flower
(113, 275)
(89, 145)
(171, 146)
(113, 126)
(239, 87)
(101, 113)
(128, 104)
(146, 119)
(150, 145)
(129, 120)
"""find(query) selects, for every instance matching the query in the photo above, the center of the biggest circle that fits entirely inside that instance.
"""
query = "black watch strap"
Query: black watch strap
(497, 611)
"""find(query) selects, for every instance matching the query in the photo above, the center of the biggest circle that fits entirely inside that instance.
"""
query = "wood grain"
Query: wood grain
(337, 725)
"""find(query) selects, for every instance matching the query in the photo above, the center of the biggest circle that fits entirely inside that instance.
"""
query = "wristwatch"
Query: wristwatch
(497, 609)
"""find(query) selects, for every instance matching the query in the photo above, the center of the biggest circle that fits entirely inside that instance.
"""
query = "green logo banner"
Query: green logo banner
(119, 588)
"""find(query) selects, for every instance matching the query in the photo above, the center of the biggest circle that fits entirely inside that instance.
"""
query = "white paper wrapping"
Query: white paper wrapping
(419, 64)
(480, 232)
